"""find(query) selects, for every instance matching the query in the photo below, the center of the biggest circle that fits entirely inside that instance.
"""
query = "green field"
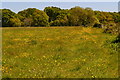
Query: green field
(58, 52)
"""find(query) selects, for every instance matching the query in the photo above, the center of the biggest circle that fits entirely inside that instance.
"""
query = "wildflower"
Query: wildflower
(55, 60)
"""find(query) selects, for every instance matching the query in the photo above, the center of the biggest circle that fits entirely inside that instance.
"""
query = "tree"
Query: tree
(76, 17)
(28, 22)
(34, 17)
(104, 17)
(10, 19)
(52, 12)
(100, 16)
(91, 18)
(15, 22)
(81, 17)
(62, 20)
(116, 16)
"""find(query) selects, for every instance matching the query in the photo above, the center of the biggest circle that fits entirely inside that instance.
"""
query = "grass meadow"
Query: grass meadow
(58, 52)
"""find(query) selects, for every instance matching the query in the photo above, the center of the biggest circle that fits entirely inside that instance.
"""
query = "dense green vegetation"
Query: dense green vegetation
(79, 15)
(54, 16)
(10, 18)
(59, 52)
(33, 17)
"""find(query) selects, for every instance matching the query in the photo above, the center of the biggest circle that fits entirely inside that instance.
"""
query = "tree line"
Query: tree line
(55, 16)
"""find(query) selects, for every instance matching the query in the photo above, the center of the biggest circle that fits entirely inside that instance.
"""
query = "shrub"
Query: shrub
(112, 28)
(117, 40)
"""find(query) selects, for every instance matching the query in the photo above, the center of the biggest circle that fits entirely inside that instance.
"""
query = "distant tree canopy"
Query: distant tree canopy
(10, 19)
(33, 17)
(104, 17)
(55, 16)
(82, 17)
(52, 12)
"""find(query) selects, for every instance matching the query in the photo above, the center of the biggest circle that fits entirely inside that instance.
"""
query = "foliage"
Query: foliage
(117, 40)
(81, 17)
(52, 12)
(77, 16)
(116, 17)
(62, 20)
(55, 16)
(27, 22)
(104, 17)
(10, 18)
(91, 18)
(34, 17)
(110, 21)
(113, 28)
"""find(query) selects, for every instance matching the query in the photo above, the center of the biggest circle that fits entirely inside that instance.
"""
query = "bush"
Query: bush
(112, 28)
(117, 40)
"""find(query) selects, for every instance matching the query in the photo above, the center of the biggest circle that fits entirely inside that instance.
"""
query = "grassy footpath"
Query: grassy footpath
(58, 52)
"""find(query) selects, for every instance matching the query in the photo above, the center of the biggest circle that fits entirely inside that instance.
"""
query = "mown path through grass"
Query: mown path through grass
(58, 52)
